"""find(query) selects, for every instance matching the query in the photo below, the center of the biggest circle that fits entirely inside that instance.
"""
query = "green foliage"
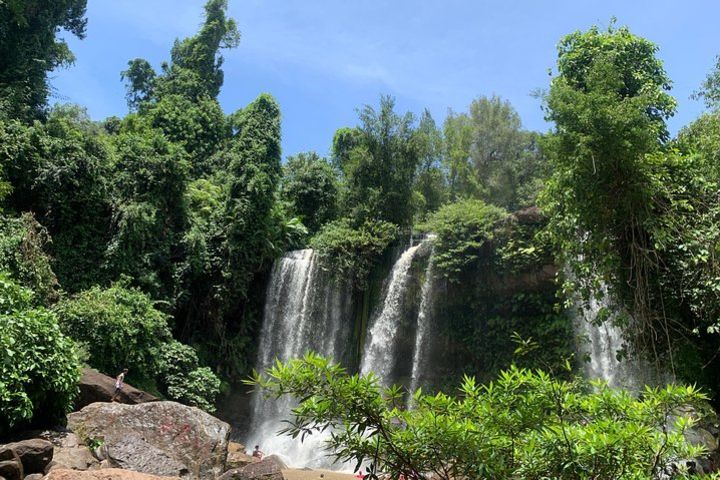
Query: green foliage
(23, 254)
(489, 156)
(309, 186)
(39, 368)
(29, 49)
(609, 103)
(710, 89)
(464, 230)
(184, 380)
(430, 187)
(60, 170)
(120, 328)
(150, 175)
(524, 424)
(379, 161)
(351, 252)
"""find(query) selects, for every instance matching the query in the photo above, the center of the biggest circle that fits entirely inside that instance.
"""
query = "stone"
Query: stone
(34, 476)
(237, 458)
(160, 438)
(78, 457)
(11, 469)
(106, 474)
(269, 468)
(97, 387)
(34, 454)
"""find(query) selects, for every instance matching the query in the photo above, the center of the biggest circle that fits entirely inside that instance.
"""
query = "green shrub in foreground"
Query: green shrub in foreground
(523, 425)
(39, 368)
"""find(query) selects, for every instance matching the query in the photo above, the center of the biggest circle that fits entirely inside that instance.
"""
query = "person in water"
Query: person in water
(119, 384)
(257, 453)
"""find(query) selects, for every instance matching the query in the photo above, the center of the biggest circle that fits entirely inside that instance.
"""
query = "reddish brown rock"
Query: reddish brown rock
(105, 474)
(160, 438)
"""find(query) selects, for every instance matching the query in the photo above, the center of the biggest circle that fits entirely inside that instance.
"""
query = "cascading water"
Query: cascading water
(305, 310)
(379, 355)
(427, 304)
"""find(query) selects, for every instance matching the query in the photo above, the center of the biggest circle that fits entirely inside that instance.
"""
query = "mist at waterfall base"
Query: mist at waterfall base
(307, 309)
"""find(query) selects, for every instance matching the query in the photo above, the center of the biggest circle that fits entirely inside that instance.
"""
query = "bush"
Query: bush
(184, 380)
(463, 229)
(120, 327)
(525, 424)
(352, 252)
(39, 368)
(22, 254)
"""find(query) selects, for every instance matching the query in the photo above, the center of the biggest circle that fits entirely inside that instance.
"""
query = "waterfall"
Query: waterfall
(425, 315)
(379, 355)
(305, 310)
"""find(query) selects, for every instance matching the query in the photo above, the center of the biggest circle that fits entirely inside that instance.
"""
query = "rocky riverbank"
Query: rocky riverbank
(142, 439)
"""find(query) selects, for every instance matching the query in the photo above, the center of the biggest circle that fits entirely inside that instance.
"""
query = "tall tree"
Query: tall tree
(29, 49)
(309, 187)
(490, 156)
(609, 102)
(381, 165)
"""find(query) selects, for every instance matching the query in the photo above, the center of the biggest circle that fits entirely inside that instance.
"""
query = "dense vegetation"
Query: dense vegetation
(524, 425)
(144, 241)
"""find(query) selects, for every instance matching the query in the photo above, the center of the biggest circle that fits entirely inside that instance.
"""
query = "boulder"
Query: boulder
(237, 458)
(269, 468)
(35, 454)
(96, 387)
(78, 457)
(160, 438)
(11, 470)
(107, 474)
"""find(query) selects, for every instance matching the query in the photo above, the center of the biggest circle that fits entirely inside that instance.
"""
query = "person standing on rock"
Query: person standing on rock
(119, 384)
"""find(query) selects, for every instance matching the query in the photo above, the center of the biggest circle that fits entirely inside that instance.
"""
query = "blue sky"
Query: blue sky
(322, 59)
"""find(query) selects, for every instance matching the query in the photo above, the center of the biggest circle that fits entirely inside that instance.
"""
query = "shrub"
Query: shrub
(39, 368)
(463, 229)
(525, 424)
(120, 327)
(352, 252)
(183, 378)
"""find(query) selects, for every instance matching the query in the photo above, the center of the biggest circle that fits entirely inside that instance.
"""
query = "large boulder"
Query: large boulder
(106, 474)
(96, 387)
(35, 454)
(269, 468)
(160, 438)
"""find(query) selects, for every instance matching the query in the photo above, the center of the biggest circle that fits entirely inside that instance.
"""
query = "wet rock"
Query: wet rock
(160, 438)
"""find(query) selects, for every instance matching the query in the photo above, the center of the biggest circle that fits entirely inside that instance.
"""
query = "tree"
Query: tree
(609, 103)
(525, 424)
(380, 166)
(150, 176)
(29, 49)
(309, 186)
(430, 184)
(141, 82)
(119, 327)
(489, 155)
(60, 170)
